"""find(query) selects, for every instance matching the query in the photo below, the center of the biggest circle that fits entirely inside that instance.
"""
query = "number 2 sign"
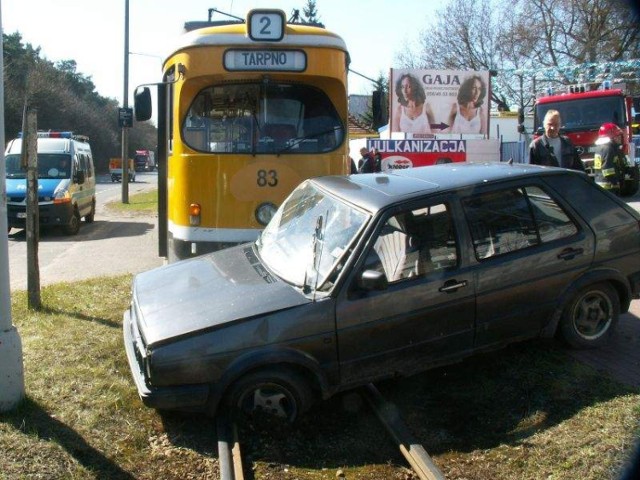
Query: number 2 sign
(266, 25)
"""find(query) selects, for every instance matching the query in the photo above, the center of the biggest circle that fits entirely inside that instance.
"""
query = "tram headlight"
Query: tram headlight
(194, 214)
(265, 212)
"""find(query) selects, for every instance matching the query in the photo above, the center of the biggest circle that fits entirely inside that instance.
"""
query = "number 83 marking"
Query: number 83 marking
(267, 178)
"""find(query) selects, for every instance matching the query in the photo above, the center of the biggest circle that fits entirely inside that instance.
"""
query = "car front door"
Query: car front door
(426, 313)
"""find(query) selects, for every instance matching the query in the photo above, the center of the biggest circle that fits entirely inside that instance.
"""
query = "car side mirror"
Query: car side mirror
(520, 128)
(79, 177)
(373, 280)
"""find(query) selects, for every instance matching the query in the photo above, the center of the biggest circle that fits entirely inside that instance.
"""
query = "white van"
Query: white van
(66, 182)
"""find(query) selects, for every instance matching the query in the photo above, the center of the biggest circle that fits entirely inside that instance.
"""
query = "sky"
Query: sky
(91, 32)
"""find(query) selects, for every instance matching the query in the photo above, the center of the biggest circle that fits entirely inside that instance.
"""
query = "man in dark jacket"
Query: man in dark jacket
(553, 149)
(366, 163)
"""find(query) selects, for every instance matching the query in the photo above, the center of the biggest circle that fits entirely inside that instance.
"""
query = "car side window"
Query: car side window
(513, 219)
(414, 243)
(552, 222)
(82, 163)
(89, 167)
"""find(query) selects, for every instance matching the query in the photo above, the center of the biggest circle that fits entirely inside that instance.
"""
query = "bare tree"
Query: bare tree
(580, 31)
(468, 35)
(522, 39)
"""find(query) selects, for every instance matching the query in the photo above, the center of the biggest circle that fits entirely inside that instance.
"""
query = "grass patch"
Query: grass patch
(527, 412)
(143, 203)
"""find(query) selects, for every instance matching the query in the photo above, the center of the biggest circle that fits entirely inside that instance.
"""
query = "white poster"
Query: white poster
(424, 103)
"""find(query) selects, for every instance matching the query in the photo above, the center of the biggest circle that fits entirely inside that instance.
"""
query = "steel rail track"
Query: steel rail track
(230, 457)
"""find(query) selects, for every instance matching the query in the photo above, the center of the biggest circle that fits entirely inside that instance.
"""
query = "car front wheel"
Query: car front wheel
(92, 214)
(276, 392)
(591, 316)
(74, 224)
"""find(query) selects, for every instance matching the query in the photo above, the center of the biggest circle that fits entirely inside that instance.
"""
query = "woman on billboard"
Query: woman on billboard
(413, 114)
(468, 115)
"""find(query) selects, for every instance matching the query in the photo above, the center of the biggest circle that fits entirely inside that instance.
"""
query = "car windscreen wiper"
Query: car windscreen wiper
(317, 244)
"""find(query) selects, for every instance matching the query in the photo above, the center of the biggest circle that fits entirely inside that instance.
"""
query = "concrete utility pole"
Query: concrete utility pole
(11, 368)
(125, 104)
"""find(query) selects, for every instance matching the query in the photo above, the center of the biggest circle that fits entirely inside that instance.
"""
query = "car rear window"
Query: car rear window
(600, 209)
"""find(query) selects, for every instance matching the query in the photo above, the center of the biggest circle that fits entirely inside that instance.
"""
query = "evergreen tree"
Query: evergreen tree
(311, 13)
(66, 100)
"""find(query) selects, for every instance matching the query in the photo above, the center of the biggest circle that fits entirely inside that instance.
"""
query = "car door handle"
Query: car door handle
(452, 286)
(570, 253)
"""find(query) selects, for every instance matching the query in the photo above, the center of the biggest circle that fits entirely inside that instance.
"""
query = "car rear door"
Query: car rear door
(527, 250)
(425, 315)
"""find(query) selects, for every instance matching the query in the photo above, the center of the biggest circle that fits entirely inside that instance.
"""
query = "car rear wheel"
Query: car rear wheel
(276, 392)
(591, 316)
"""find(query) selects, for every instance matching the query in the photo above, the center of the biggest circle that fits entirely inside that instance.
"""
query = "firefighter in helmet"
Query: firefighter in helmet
(609, 160)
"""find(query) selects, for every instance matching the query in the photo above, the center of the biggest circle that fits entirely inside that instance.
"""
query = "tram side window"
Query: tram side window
(258, 118)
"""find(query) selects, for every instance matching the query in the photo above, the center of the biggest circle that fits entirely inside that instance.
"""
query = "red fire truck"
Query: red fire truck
(583, 109)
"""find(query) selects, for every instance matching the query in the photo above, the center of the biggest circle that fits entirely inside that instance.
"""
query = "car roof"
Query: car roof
(374, 191)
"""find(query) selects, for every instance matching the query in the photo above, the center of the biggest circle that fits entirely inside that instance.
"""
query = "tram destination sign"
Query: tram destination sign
(259, 60)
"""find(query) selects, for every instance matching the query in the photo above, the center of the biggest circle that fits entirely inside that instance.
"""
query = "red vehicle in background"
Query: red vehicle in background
(144, 161)
(583, 111)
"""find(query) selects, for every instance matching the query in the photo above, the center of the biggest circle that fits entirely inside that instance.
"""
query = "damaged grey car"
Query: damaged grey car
(365, 277)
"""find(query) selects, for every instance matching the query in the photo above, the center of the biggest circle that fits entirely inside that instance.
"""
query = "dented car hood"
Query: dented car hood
(207, 292)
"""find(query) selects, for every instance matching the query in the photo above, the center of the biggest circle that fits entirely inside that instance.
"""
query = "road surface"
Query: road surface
(114, 244)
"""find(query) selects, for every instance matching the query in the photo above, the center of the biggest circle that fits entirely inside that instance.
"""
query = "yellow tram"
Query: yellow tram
(246, 111)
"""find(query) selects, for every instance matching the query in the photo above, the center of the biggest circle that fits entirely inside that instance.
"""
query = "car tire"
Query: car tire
(92, 214)
(74, 224)
(276, 392)
(591, 316)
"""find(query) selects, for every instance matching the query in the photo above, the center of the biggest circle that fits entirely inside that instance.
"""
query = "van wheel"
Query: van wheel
(279, 393)
(591, 316)
(92, 214)
(74, 224)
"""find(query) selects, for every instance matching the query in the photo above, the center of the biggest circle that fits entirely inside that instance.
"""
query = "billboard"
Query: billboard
(426, 103)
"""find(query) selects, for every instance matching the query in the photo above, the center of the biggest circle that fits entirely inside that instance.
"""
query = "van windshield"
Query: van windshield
(50, 165)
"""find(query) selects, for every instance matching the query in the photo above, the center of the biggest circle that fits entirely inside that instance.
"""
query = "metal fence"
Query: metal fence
(519, 151)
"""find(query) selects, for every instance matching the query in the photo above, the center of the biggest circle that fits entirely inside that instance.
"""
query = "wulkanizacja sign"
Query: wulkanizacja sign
(399, 154)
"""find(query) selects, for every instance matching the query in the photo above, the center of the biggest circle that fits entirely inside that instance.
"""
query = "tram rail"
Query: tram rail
(230, 456)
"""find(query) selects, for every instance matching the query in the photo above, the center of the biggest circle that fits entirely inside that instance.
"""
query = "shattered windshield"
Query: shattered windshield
(50, 165)
(262, 118)
(309, 236)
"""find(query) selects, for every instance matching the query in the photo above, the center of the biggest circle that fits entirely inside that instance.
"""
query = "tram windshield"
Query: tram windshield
(262, 118)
